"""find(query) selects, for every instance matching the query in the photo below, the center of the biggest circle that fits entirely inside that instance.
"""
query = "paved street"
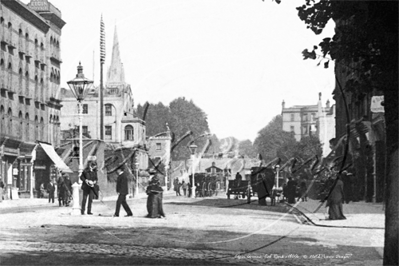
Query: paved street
(196, 232)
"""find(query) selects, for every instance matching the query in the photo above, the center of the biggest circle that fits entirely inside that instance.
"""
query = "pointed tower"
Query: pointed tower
(116, 72)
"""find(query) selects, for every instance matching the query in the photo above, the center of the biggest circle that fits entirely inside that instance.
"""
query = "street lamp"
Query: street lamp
(193, 149)
(80, 87)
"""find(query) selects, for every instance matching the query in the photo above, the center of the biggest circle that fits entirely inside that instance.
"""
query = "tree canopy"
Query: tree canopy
(182, 116)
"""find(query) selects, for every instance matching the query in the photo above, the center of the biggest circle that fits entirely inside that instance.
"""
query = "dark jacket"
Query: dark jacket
(88, 175)
(50, 188)
(122, 184)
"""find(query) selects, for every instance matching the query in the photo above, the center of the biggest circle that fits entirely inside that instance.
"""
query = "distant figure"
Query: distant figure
(68, 189)
(239, 179)
(89, 178)
(184, 186)
(176, 186)
(303, 191)
(61, 191)
(346, 179)
(154, 200)
(122, 190)
(1, 189)
(335, 200)
(291, 190)
(41, 191)
(51, 191)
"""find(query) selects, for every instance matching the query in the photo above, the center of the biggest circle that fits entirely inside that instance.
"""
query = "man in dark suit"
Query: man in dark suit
(51, 191)
(122, 190)
(89, 178)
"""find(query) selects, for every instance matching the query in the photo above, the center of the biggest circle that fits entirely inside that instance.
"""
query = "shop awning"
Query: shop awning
(58, 162)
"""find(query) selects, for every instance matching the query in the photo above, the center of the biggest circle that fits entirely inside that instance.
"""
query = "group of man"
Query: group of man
(64, 188)
(177, 185)
(90, 191)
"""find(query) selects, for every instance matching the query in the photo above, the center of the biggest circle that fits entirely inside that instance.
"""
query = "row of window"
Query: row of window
(129, 132)
(53, 40)
(108, 109)
(305, 117)
(55, 75)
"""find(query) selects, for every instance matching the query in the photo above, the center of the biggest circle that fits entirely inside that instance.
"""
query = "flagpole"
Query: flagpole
(102, 60)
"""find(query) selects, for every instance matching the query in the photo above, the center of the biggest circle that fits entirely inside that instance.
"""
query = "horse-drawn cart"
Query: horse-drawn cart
(260, 184)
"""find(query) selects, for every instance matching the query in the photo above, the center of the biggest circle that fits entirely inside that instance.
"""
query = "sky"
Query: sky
(236, 59)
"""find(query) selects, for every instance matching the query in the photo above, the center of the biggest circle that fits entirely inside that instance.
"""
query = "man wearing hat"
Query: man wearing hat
(89, 178)
(122, 190)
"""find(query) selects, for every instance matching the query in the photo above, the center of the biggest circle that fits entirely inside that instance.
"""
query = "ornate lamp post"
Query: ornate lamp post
(80, 87)
(193, 149)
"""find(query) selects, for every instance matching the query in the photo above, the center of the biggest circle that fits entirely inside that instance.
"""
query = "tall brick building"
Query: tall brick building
(30, 67)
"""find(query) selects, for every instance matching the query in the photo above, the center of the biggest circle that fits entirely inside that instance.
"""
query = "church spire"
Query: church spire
(116, 73)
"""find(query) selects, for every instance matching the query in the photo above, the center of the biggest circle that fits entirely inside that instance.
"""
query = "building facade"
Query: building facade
(367, 146)
(121, 127)
(30, 67)
(306, 120)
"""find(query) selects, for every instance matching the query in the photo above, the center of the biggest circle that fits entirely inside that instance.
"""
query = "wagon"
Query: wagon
(206, 185)
(260, 184)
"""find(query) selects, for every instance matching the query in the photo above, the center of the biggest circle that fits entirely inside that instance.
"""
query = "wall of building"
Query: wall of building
(30, 64)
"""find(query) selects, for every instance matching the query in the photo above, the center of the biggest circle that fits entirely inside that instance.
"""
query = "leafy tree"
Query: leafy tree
(307, 147)
(157, 117)
(366, 44)
(271, 141)
(246, 148)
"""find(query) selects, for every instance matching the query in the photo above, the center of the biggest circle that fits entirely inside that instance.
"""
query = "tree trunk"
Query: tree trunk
(391, 184)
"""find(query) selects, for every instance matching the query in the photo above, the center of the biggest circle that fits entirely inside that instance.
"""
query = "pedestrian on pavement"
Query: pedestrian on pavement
(346, 179)
(184, 186)
(51, 191)
(61, 191)
(89, 178)
(41, 191)
(1, 189)
(122, 190)
(291, 190)
(176, 186)
(154, 200)
(303, 191)
(335, 200)
(68, 189)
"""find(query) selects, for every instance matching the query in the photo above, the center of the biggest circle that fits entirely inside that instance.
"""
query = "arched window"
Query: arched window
(41, 129)
(36, 128)
(9, 127)
(20, 127)
(27, 127)
(129, 132)
(2, 124)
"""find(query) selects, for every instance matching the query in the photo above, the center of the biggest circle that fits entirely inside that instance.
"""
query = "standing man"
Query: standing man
(1, 189)
(89, 178)
(122, 190)
(51, 191)
(184, 185)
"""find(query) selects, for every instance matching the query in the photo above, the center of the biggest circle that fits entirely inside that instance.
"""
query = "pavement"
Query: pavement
(366, 220)
(359, 215)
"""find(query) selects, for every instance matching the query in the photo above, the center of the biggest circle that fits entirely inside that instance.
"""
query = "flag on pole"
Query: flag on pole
(102, 41)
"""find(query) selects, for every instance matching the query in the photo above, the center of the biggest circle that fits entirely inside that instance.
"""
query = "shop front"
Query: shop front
(9, 152)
